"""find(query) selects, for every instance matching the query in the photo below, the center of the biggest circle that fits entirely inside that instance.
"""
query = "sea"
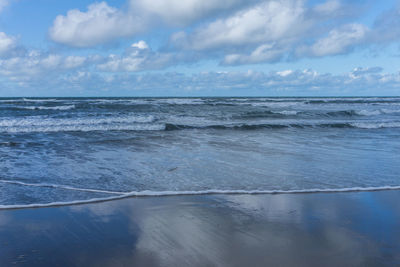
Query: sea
(57, 151)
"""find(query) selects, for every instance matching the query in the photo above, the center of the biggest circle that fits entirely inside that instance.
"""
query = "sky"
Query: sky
(199, 48)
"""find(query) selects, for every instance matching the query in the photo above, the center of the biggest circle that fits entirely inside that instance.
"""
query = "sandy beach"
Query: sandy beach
(319, 229)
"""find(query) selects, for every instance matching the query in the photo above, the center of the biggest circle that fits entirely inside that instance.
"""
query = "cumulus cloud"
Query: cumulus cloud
(359, 71)
(273, 31)
(137, 57)
(234, 32)
(338, 41)
(7, 43)
(99, 24)
(360, 81)
(102, 23)
(264, 53)
(181, 13)
(35, 63)
(266, 22)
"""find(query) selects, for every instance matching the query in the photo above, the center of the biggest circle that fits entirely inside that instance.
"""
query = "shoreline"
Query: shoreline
(352, 228)
(147, 193)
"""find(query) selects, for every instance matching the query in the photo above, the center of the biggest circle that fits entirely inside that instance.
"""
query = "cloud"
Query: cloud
(273, 31)
(288, 82)
(359, 71)
(177, 12)
(264, 53)
(137, 57)
(101, 23)
(233, 32)
(338, 41)
(3, 4)
(7, 43)
(266, 22)
(36, 64)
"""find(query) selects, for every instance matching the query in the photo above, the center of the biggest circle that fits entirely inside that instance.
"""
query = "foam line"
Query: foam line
(63, 187)
(148, 193)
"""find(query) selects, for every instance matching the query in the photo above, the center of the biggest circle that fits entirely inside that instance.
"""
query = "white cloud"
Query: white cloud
(137, 57)
(284, 73)
(266, 22)
(3, 4)
(7, 43)
(178, 12)
(340, 40)
(101, 23)
(140, 45)
(264, 53)
(327, 8)
(35, 63)
(359, 71)
(37, 76)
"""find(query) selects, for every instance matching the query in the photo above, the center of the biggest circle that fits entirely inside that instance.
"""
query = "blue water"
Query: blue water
(79, 149)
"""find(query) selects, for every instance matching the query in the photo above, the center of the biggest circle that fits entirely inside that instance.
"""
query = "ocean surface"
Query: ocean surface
(71, 150)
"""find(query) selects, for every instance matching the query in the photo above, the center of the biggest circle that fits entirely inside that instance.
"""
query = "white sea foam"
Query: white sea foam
(275, 104)
(148, 193)
(375, 125)
(121, 101)
(66, 187)
(67, 107)
(45, 124)
(286, 112)
(390, 111)
(48, 122)
(377, 112)
(368, 112)
(39, 100)
(180, 101)
(84, 128)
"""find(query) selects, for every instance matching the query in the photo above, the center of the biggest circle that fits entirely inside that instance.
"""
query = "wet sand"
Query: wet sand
(319, 229)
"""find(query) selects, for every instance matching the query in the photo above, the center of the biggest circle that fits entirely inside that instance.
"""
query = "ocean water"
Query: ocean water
(71, 150)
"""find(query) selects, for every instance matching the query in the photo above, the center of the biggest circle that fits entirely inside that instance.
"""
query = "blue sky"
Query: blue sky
(199, 48)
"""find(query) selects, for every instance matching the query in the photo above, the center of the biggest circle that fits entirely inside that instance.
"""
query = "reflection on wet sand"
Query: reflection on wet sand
(353, 229)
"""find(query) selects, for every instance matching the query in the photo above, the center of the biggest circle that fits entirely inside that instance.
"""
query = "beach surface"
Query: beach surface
(318, 229)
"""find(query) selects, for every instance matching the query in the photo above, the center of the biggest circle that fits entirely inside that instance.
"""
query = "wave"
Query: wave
(49, 122)
(363, 125)
(368, 125)
(353, 101)
(85, 128)
(67, 107)
(266, 114)
(175, 127)
(308, 113)
(39, 100)
(148, 193)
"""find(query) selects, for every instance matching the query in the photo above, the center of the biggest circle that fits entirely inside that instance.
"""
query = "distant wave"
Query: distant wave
(148, 193)
(85, 128)
(39, 100)
(175, 127)
(67, 107)
(363, 125)
(353, 101)
(48, 122)
(308, 113)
